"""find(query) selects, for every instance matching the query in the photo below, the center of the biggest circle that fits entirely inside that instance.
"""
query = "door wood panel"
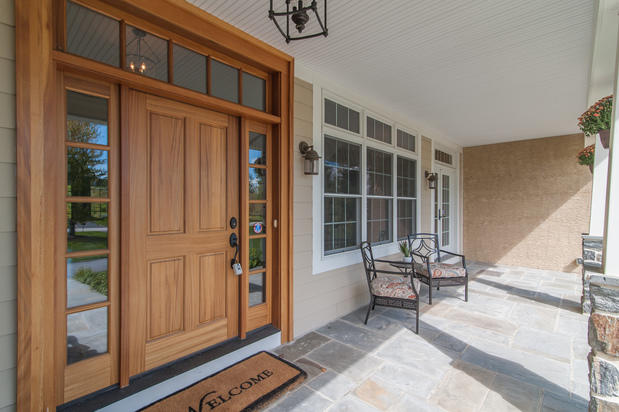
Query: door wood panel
(165, 300)
(212, 184)
(212, 287)
(167, 177)
(181, 295)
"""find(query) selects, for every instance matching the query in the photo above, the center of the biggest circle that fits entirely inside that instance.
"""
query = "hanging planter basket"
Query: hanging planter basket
(597, 120)
(604, 137)
(586, 156)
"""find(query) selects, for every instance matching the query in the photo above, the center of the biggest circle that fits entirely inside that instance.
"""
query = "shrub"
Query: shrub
(96, 280)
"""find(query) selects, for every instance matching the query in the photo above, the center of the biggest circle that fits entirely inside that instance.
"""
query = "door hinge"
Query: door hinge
(275, 223)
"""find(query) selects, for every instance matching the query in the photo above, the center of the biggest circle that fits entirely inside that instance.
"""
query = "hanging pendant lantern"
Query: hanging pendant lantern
(300, 16)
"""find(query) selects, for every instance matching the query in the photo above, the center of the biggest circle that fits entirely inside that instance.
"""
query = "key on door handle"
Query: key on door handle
(236, 266)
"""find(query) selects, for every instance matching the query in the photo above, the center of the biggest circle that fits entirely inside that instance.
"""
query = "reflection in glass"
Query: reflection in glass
(379, 220)
(87, 172)
(224, 81)
(257, 253)
(342, 216)
(257, 184)
(87, 280)
(257, 148)
(86, 334)
(92, 35)
(86, 118)
(342, 165)
(407, 177)
(87, 226)
(146, 53)
(254, 92)
(379, 173)
(189, 69)
(257, 289)
(257, 215)
(406, 217)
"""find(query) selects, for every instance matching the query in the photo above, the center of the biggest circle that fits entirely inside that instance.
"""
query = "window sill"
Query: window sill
(352, 257)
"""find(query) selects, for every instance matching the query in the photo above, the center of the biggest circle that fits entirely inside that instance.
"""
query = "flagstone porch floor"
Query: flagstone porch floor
(520, 343)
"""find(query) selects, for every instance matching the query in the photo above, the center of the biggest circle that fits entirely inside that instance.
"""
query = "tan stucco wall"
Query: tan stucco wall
(426, 193)
(526, 203)
(321, 298)
(8, 278)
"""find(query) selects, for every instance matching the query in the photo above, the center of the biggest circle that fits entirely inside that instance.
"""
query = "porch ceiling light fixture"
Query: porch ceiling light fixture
(431, 178)
(300, 17)
(310, 164)
(137, 61)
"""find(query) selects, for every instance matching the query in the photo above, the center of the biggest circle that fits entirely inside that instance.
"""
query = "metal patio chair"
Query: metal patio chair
(388, 287)
(430, 270)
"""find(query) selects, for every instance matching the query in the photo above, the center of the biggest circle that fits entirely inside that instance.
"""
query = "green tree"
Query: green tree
(84, 172)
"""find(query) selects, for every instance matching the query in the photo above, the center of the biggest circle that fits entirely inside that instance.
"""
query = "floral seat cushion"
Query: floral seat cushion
(441, 270)
(393, 287)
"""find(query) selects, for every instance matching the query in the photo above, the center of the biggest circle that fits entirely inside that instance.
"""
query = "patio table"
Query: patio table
(404, 267)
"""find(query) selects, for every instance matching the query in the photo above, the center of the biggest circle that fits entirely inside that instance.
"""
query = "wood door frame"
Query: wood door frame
(37, 64)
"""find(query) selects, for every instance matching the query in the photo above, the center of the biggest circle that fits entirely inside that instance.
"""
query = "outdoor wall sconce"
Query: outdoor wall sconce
(300, 18)
(310, 164)
(431, 178)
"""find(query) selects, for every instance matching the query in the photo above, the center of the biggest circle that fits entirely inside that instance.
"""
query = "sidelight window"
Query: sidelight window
(87, 225)
(259, 264)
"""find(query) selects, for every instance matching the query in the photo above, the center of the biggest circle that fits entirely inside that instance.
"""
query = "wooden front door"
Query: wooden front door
(180, 191)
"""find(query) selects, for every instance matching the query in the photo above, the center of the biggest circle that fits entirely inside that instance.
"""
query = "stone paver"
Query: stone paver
(519, 344)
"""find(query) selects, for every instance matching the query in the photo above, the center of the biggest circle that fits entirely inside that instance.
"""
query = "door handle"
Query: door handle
(234, 263)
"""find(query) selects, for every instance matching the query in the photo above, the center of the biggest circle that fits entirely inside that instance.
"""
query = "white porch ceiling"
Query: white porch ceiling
(475, 71)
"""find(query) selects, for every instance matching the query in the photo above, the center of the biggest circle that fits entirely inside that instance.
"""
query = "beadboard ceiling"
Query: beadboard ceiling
(474, 71)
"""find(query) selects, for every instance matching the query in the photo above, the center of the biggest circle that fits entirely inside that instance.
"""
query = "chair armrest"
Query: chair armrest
(384, 261)
(387, 272)
(455, 254)
(451, 253)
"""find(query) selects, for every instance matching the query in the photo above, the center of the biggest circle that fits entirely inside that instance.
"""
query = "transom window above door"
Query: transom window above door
(99, 37)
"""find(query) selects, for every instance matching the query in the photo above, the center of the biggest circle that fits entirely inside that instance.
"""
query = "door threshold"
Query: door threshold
(151, 386)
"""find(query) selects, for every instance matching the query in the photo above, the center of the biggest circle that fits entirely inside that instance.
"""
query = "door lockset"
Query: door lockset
(236, 265)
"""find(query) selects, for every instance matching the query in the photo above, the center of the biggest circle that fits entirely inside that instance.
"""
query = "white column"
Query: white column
(598, 195)
(610, 263)
(611, 229)
(601, 79)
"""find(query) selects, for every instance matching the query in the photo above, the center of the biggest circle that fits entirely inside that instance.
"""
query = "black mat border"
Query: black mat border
(258, 402)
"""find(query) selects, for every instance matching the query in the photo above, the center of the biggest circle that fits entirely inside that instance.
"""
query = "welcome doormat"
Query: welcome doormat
(245, 386)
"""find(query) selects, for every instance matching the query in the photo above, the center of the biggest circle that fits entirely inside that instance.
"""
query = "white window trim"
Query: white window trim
(322, 262)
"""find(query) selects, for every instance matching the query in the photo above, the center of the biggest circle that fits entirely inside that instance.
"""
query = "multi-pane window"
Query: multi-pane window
(341, 116)
(342, 200)
(378, 130)
(369, 188)
(407, 196)
(405, 140)
(380, 192)
(443, 157)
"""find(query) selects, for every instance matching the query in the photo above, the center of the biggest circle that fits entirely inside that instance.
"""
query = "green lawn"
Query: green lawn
(87, 241)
